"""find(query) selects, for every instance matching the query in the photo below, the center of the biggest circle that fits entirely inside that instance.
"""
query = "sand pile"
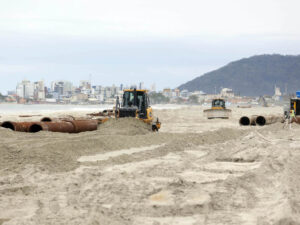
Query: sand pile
(124, 126)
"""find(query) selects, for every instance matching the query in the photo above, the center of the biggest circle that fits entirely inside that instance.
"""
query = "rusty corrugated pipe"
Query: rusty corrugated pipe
(84, 125)
(50, 119)
(17, 126)
(67, 126)
(266, 120)
(62, 126)
(46, 119)
(244, 121)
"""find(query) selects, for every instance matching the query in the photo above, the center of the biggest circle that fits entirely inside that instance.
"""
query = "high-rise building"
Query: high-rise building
(39, 90)
(61, 87)
(141, 85)
(25, 89)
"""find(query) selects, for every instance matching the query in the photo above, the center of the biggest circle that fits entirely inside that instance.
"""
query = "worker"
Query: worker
(292, 117)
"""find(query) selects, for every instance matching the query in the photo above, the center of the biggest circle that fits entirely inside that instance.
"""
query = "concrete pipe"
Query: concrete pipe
(244, 121)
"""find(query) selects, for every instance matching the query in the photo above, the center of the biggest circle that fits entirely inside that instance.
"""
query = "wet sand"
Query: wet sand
(194, 171)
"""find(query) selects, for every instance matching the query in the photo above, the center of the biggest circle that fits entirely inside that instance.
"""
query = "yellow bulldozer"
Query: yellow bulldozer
(135, 103)
(218, 110)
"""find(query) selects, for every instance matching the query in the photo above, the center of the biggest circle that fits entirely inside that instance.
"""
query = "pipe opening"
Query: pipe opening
(261, 121)
(8, 125)
(46, 119)
(244, 121)
(35, 128)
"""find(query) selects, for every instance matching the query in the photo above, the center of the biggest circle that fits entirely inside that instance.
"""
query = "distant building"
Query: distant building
(153, 88)
(277, 91)
(25, 90)
(141, 85)
(62, 87)
(277, 94)
(167, 92)
(184, 94)
(227, 92)
(84, 84)
(39, 90)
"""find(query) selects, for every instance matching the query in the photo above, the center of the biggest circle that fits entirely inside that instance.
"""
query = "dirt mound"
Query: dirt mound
(4, 132)
(124, 126)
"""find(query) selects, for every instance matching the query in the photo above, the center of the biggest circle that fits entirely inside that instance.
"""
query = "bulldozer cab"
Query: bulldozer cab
(218, 104)
(137, 100)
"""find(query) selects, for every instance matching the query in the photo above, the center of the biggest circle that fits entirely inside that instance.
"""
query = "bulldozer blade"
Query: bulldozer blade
(217, 113)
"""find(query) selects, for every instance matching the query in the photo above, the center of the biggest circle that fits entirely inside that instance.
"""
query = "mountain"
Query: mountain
(252, 76)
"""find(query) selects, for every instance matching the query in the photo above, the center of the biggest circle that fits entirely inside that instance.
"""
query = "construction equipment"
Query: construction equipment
(295, 105)
(294, 110)
(218, 110)
(136, 103)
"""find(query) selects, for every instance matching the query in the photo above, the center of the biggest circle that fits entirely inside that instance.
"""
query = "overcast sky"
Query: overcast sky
(167, 42)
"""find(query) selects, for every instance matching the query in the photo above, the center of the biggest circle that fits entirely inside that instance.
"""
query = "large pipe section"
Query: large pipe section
(244, 121)
(84, 125)
(261, 120)
(71, 126)
(266, 120)
(17, 126)
(64, 127)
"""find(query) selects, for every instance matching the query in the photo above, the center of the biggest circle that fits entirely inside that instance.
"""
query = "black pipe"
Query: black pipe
(245, 121)
(261, 120)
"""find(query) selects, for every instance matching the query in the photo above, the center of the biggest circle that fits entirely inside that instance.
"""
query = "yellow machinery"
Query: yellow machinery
(218, 110)
(136, 103)
(295, 105)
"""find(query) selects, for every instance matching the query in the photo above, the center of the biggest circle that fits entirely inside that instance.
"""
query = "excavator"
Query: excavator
(218, 110)
(135, 103)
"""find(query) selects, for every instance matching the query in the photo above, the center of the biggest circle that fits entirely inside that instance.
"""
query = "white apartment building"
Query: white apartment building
(25, 89)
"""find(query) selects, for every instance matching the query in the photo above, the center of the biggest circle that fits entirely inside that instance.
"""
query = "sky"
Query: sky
(166, 42)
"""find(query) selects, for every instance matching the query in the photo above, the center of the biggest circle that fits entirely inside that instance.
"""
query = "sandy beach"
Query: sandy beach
(193, 171)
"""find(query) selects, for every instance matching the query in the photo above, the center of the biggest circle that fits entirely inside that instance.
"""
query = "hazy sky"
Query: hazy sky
(167, 42)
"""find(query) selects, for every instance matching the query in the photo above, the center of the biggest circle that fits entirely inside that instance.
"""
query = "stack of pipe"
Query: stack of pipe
(70, 126)
(260, 120)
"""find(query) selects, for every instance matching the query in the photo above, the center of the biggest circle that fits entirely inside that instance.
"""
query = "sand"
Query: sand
(194, 171)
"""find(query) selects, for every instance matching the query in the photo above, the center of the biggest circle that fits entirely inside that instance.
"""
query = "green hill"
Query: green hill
(252, 76)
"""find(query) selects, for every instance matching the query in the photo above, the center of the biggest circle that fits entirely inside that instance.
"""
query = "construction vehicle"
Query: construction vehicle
(218, 110)
(295, 105)
(136, 103)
